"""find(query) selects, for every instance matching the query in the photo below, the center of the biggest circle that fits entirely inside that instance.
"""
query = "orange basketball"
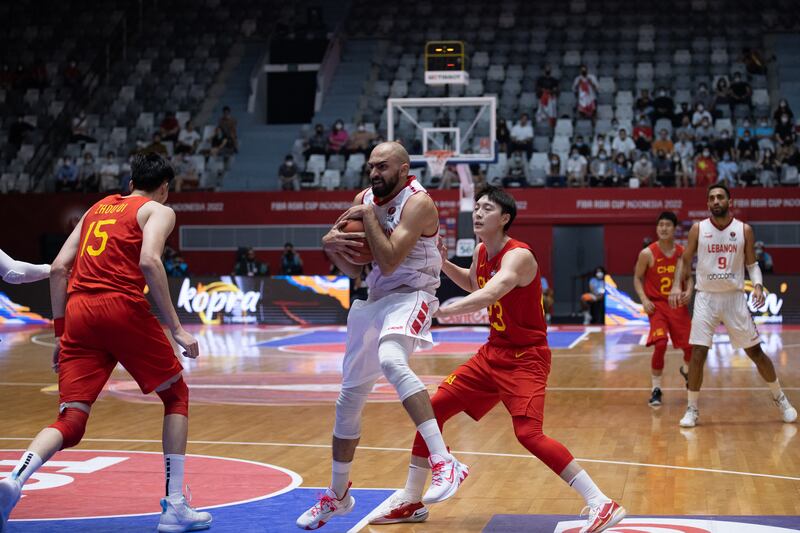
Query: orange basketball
(364, 255)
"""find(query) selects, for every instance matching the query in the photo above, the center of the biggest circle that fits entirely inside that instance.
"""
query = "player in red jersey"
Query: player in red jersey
(511, 367)
(102, 318)
(653, 278)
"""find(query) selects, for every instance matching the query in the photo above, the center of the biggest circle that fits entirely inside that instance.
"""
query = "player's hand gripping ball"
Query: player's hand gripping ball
(361, 256)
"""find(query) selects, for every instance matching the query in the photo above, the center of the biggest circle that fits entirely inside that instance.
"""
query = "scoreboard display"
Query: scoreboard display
(445, 63)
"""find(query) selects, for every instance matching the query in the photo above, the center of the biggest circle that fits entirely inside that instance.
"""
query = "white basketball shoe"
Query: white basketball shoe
(689, 419)
(326, 508)
(10, 491)
(788, 412)
(177, 517)
(446, 476)
(399, 509)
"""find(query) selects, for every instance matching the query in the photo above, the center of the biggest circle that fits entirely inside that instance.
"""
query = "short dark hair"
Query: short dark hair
(668, 215)
(501, 198)
(719, 185)
(149, 170)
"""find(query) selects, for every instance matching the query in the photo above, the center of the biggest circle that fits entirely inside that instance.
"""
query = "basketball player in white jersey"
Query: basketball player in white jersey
(724, 246)
(401, 225)
(16, 272)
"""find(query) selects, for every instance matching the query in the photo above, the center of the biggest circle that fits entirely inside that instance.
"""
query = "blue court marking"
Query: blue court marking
(514, 523)
(273, 515)
(556, 339)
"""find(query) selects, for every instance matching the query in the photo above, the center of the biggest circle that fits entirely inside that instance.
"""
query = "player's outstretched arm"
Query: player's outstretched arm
(13, 271)
(517, 269)
(683, 271)
(157, 221)
(463, 277)
(643, 262)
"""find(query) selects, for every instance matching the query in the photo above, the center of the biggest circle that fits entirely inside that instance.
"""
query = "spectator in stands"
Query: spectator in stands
(623, 144)
(663, 143)
(156, 146)
(682, 175)
(684, 148)
(18, 133)
(683, 114)
(546, 82)
(577, 168)
(188, 139)
(291, 264)
(516, 171)
(764, 258)
(186, 175)
(600, 144)
(317, 143)
(229, 127)
(555, 177)
(621, 169)
(784, 132)
(109, 174)
(783, 108)
(664, 169)
(72, 75)
(768, 168)
(361, 141)
(88, 175)
(337, 138)
(643, 126)
(248, 265)
(450, 178)
(643, 140)
(80, 129)
(585, 88)
(700, 113)
(643, 170)
(740, 92)
(663, 106)
(522, 136)
(705, 169)
(67, 175)
(747, 168)
(723, 145)
(747, 143)
(582, 146)
(176, 267)
(727, 169)
(644, 104)
(597, 290)
(601, 171)
(705, 130)
(169, 127)
(790, 157)
(547, 97)
(289, 175)
(743, 125)
(702, 96)
(685, 128)
(503, 136)
(722, 95)
(220, 144)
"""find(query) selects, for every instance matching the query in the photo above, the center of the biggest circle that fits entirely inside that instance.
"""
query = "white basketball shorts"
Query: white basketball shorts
(729, 308)
(407, 314)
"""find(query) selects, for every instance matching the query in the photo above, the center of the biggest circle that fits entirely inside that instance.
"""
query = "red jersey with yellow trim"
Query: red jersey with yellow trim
(109, 248)
(659, 276)
(516, 319)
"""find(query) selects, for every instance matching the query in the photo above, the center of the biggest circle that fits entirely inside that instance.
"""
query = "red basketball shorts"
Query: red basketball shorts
(666, 320)
(515, 376)
(104, 329)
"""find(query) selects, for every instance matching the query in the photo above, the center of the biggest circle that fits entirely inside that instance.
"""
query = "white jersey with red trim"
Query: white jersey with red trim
(720, 257)
(420, 270)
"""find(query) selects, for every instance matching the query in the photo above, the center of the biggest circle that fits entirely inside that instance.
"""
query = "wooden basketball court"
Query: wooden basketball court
(266, 395)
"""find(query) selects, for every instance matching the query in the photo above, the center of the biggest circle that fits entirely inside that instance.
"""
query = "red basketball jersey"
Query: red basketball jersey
(516, 319)
(660, 275)
(109, 248)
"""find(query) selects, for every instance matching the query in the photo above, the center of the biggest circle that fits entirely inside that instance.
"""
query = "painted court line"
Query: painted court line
(456, 452)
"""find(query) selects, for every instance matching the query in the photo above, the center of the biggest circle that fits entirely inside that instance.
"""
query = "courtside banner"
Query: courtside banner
(279, 300)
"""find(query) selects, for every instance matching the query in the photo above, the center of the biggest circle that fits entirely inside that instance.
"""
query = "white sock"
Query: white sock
(27, 465)
(340, 477)
(584, 486)
(694, 396)
(433, 438)
(775, 389)
(173, 470)
(656, 382)
(415, 483)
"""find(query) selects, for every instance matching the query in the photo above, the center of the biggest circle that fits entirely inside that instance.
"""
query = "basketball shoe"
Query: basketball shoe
(328, 506)
(690, 417)
(788, 412)
(603, 516)
(10, 491)
(399, 508)
(446, 476)
(179, 516)
(655, 398)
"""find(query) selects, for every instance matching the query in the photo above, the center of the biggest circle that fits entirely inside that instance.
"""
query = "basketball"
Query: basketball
(364, 255)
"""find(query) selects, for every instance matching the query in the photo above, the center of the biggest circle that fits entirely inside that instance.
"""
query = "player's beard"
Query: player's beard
(720, 211)
(383, 188)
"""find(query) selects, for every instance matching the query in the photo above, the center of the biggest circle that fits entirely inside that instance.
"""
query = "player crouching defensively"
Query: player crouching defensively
(511, 367)
(102, 318)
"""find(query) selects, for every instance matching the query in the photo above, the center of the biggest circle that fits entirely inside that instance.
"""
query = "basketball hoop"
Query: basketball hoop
(437, 160)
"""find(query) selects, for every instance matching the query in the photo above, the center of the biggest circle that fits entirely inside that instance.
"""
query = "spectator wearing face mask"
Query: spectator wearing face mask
(741, 93)
(337, 138)
(643, 144)
(664, 169)
(783, 107)
(702, 97)
(67, 176)
(682, 175)
(601, 171)
(516, 171)
(289, 175)
(585, 88)
(724, 144)
(767, 169)
(685, 128)
(547, 95)
(663, 143)
(600, 144)
(644, 104)
(728, 169)
(621, 170)
(701, 113)
(555, 176)
(746, 143)
(663, 106)
(317, 143)
(582, 146)
(705, 130)
(705, 169)
(577, 167)
(522, 136)
(361, 141)
(747, 168)
(597, 291)
(644, 171)
(623, 144)
(722, 95)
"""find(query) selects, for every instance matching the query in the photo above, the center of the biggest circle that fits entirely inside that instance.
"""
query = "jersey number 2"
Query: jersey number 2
(95, 228)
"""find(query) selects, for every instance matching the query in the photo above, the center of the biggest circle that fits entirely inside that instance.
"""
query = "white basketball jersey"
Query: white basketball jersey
(720, 257)
(420, 270)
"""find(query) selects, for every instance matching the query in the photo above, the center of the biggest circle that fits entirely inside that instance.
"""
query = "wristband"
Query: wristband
(58, 326)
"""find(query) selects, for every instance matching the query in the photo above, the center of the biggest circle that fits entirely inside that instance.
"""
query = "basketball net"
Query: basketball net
(437, 160)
